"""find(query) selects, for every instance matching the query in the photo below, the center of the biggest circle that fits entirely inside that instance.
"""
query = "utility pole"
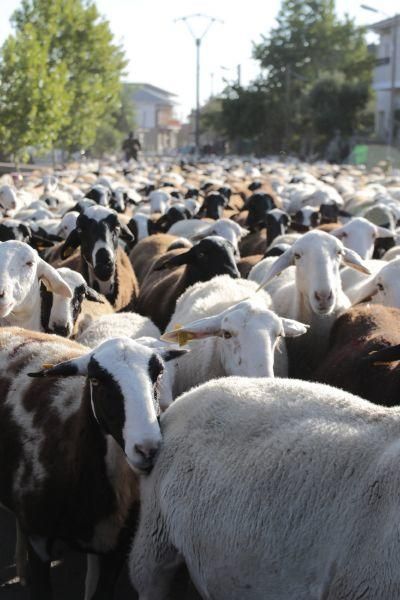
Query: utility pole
(198, 39)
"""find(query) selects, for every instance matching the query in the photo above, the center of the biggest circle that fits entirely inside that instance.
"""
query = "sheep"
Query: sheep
(258, 205)
(12, 229)
(272, 488)
(21, 271)
(69, 462)
(159, 201)
(231, 332)
(8, 199)
(306, 218)
(95, 331)
(359, 331)
(213, 206)
(103, 264)
(178, 269)
(276, 222)
(67, 224)
(360, 235)
(141, 226)
(381, 288)
(197, 230)
(149, 250)
(314, 296)
(59, 314)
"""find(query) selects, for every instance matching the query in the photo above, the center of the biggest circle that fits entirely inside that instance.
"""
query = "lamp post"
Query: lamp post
(394, 18)
(198, 39)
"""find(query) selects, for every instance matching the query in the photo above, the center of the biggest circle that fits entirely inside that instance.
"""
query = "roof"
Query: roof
(151, 94)
(385, 24)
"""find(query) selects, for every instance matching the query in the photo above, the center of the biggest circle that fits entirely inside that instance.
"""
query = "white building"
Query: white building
(386, 82)
(157, 125)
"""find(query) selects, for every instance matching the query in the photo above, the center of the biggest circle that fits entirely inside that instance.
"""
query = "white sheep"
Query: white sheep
(315, 296)
(21, 271)
(274, 489)
(383, 287)
(94, 331)
(360, 235)
(232, 332)
(159, 201)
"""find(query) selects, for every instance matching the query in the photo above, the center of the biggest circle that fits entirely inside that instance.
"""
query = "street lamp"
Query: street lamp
(394, 68)
(198, 39)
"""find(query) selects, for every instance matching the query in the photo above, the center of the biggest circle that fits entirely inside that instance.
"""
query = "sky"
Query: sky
(161, 51)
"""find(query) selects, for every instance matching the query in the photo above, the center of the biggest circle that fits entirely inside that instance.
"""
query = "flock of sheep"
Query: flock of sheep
(266, 296)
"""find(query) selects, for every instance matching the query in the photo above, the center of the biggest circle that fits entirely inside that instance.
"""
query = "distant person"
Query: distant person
(131, 147)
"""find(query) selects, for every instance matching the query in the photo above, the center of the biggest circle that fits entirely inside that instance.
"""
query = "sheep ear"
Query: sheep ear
(362, 291)
(69, 368)
(382, 232)
(386, 355)
(91, 294)
(53, 280)
(178, 260)
(283, 262)
(202, 328)
(72, 242)
(353, 260)
(126, 235)
(168, 355)
(292, 328)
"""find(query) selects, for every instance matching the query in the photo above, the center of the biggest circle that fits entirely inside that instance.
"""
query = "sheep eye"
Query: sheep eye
(201, 255)
(94, 381)
(226, 335)
(297, 256)
(29, 263)
(379, 286)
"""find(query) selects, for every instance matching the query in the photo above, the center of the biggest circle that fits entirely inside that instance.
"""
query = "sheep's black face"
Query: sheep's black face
(214, 256)
(276, 226)
(18, 232)
(99, 243)
(258, 205)
(213, 206)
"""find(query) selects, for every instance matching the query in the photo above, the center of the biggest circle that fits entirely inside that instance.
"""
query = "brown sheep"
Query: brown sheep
(360, 330)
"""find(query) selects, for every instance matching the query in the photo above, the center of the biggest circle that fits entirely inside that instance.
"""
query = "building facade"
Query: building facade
(157, 125)
(386, 82)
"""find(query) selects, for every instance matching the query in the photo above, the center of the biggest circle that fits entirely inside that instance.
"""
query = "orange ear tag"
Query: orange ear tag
(47, 366)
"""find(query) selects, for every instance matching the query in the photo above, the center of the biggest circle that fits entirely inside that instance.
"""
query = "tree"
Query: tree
(33, 99)
(303, 58)
(60, 73)
(116, 125)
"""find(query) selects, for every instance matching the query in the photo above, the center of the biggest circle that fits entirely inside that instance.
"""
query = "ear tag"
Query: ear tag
(47, 366)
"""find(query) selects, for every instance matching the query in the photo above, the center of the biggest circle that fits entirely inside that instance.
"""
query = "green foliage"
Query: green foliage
(114, 128)
(317, 77)
(60, 76)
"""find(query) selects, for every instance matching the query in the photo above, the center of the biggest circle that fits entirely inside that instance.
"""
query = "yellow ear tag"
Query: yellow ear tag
(47, 366)
(183, 336)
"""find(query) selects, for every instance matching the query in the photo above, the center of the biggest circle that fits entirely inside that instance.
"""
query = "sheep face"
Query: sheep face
(59, 314)
(67, 224)
(11, 229)
(210, 257)
(317, 256)
(258, 205)
(97, 231)
(248, 335)
(306, 218)
(20, 269)
(122, 376)
(213, 206)
(360, 235)
(8, 198)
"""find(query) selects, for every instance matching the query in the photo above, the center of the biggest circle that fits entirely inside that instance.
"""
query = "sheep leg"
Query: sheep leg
(154, 562)
(39, 576)
(92, 575)
(109, 567)
(21, 554)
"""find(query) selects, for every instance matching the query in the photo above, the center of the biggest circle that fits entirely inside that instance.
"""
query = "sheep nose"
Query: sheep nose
(321, 296)
(2, 293)
(61, 330)
(147, 450)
